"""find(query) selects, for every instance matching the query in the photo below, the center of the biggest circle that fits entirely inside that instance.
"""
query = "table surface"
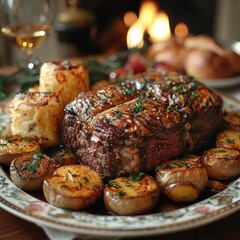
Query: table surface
(228, 228)
(12, 227)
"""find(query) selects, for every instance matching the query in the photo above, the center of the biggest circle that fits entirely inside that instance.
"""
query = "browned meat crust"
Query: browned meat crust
(131, 127)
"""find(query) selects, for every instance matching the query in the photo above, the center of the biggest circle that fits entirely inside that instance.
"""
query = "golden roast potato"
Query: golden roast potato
(73, 187)
(131, 195)
(221, 163)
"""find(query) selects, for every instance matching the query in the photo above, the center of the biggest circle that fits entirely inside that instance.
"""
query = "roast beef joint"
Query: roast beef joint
(141, 122)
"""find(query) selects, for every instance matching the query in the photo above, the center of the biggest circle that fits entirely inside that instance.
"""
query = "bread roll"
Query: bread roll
(67, 79)
(208, 59)
(234, 60)
(168, 56)
(173, 41)
(206, 64)
(37, 115)
(204, 42)
(200, 56)
(170, 51)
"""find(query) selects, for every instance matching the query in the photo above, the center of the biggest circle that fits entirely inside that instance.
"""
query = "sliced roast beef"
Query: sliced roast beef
(131, 127)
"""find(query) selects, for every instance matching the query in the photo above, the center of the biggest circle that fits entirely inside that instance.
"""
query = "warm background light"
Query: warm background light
(160, 28)
(147, 12)
(135, 36)
(130, 18)
(181, 30)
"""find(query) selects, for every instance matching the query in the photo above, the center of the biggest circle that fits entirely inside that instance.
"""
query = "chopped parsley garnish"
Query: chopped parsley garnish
(192, 85)
(175, 164)
(138, 176)
(128, 91)
(221, 151)
(203, 105)
(229, 140)
(22, 167)
(85, 180)
(106, 120)
(194, 94)
(34, 164)
(117, 114)
(110, 95)
(217, 151)
(180, 88)
(38, 155)
(94, 186)
(187, 165)
(171, 109)
(139, 107)
(113, 184)
(81, 94)
(120, 193)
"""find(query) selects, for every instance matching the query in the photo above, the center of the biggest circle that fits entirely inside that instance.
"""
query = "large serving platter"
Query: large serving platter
(85, 224)
(222, 83)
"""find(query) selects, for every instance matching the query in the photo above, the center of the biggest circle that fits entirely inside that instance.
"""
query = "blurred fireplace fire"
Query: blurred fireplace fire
(153, 23)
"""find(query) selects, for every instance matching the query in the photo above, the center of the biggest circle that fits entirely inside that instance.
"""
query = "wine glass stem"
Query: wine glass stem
(28, 56)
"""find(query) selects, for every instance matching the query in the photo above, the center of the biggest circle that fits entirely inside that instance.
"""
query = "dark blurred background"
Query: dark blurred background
(110, 30)
(84, 27)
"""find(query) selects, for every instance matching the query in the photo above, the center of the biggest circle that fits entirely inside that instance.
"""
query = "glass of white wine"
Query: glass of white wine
(27, 23)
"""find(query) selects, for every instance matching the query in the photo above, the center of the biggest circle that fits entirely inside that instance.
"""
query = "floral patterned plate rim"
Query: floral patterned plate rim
(25, 206)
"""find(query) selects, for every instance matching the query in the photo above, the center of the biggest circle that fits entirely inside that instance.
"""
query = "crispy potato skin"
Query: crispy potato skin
(124, 196)
(14, 146)
(28, 171)
(180, 171)
(73, 187)
(229, 139)
(61, 156)
(37, 115)
(182, 192)
(64, 78)
(221, 163)
(231, 121)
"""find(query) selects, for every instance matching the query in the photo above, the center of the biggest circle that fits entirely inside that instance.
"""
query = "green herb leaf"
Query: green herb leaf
(117, 114)
(85, 180)
(120, 193)
(138, 176)
(229, 140)
(139, 107)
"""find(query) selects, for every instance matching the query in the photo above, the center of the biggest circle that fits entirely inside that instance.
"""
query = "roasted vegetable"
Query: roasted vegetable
(221, 163)
(37, 115)
(182, 192)
(131, 195)
(61, 156)
(29, 170)
(73, 187)
(13, 146)
(229, 139)
(232, 120)
(185, 171)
